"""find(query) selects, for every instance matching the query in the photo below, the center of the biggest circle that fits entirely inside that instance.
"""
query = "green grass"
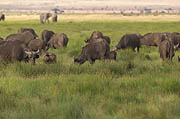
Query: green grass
(136, 86)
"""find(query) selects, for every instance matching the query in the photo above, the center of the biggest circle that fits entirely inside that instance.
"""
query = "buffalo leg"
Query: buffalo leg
(138, 49)
(91, 61)
(133, 49)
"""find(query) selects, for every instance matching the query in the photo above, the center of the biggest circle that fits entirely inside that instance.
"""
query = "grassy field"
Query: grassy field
(136, 86)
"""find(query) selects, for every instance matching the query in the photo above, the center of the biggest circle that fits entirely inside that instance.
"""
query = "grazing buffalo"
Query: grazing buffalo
(96, 35)
(129, 40)
(46, 35)
(22, 30)
(16, 51)
(152, 39)
(37, 44)
(167, 49)
(44, 17)
(54, 18)
(92, 52)
(49, 58)
(25, 37)
(2, 17)
(58, 41)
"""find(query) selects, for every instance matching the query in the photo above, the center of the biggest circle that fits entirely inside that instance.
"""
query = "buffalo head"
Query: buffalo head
(82, 57)
(32, 55)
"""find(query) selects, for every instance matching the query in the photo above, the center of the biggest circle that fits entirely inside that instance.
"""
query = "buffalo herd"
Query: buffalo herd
(25, 45)
(97, 46)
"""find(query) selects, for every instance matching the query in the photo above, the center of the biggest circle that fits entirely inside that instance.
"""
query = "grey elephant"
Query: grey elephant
(44, 17)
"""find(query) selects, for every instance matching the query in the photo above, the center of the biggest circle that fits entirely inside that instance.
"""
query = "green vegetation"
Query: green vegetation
(136, 86)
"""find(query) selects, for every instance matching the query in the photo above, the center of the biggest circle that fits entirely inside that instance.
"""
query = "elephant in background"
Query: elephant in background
(44, 17)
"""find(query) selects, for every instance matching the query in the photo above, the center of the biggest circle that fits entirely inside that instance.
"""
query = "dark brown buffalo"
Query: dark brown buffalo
(2, 17)
(49, 58)
(58, 41)
(167, 49)
(37, 44)
(16, 51)
(92, 52)
(22, 30)
(46, 35)
(152, 39)
(25, 37)
(96, 35)
(129, 40)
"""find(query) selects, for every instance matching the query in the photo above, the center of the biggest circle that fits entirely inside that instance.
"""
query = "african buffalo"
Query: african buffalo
(152, 39)
(16, 51)
(46, 35)
(54, 18)
(58, 41)
(2, 17)
(49, 58)
(44, 17)
(93, 51)
(167, 49)
(129, 40)
(22, 30)
(96, 35)
(25, 37)
(37, 44)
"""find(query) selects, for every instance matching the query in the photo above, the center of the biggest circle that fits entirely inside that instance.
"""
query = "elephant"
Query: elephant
(44, 17)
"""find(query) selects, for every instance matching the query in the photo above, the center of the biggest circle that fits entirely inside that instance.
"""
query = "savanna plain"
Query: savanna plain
(136, 86)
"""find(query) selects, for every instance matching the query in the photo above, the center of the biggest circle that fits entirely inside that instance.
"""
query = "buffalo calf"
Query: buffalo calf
(49, 58)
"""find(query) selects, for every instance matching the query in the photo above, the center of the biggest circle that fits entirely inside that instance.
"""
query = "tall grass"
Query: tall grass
(136, 86)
